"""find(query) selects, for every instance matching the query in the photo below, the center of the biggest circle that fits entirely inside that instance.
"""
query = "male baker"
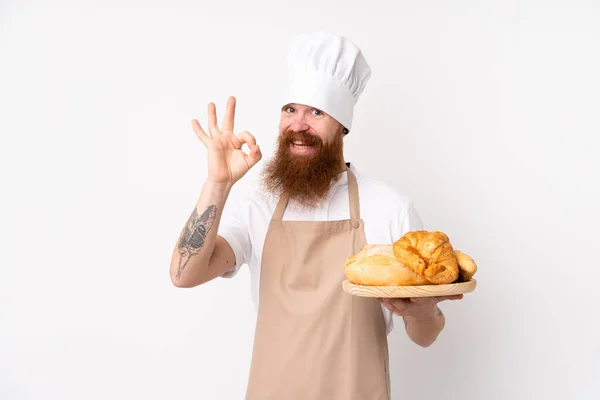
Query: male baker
(311, 212)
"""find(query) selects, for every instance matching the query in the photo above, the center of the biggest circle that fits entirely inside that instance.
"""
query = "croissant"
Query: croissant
(429, 254)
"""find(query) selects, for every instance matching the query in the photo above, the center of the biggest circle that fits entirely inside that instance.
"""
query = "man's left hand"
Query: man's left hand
(419, 308)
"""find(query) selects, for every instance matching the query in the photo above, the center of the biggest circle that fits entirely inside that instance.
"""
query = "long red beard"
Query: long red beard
(305, 178)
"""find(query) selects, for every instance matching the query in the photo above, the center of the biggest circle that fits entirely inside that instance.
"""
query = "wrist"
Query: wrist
(222, 187)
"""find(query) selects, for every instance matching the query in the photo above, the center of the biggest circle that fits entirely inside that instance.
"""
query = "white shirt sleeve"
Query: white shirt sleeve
(233, 227)
(410, 222)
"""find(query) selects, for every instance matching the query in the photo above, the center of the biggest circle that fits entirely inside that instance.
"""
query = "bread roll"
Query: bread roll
(466, 266)
(429, 254)
(376, 265)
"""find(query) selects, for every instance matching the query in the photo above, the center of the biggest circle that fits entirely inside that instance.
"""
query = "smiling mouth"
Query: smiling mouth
(300, 145)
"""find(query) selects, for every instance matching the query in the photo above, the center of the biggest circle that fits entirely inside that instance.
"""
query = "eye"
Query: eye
(317, 112)
(289, 109)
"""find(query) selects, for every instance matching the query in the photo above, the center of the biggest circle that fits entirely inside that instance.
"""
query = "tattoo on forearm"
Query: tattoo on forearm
(194, 234)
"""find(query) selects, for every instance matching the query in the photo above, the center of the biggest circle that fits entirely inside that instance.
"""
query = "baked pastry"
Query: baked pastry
(376, 265)
(466, 266)
(429, 254)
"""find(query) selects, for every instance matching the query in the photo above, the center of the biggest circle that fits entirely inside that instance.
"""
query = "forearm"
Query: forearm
(424, 330)
(192, 253)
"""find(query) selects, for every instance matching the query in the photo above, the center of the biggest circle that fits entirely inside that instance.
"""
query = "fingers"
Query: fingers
(254, 156)
(414, 306)
(245, 137)
(451, 297)
(212, 120)
(229, 117)
(396, 306)
(387, 305)
(204, 138)
(434, 299)
(255, 153)
(424, 301)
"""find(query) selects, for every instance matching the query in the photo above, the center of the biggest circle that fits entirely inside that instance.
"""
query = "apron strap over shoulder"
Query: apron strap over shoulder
(352, 194)
(281, 206)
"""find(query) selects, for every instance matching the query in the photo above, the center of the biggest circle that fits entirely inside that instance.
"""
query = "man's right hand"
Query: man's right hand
(227, 163)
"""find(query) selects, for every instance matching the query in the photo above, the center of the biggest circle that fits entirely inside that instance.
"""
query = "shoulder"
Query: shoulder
(388, 213)
(377, 193)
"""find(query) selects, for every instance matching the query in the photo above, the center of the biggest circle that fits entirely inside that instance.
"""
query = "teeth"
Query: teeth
(300, 145)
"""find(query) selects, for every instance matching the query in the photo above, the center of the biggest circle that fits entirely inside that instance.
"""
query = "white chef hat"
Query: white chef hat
(327, 72)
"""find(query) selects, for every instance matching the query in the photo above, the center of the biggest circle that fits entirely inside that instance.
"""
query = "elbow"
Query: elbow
(178, 279)
(180, 283)
(425, 338)
(424, 343)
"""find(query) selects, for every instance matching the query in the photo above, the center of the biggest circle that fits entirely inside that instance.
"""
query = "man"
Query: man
(312, 340)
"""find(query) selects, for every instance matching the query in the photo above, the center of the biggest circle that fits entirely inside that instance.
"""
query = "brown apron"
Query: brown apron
(312, 339)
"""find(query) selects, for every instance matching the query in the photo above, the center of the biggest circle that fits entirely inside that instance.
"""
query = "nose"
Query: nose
(299, 123)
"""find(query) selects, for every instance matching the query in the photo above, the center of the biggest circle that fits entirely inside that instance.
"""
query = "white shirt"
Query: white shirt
(387, 215)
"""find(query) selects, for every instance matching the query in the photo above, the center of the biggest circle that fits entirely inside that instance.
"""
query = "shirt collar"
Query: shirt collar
(343, 179)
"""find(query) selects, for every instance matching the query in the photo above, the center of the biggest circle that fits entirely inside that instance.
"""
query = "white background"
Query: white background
(485, 114)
